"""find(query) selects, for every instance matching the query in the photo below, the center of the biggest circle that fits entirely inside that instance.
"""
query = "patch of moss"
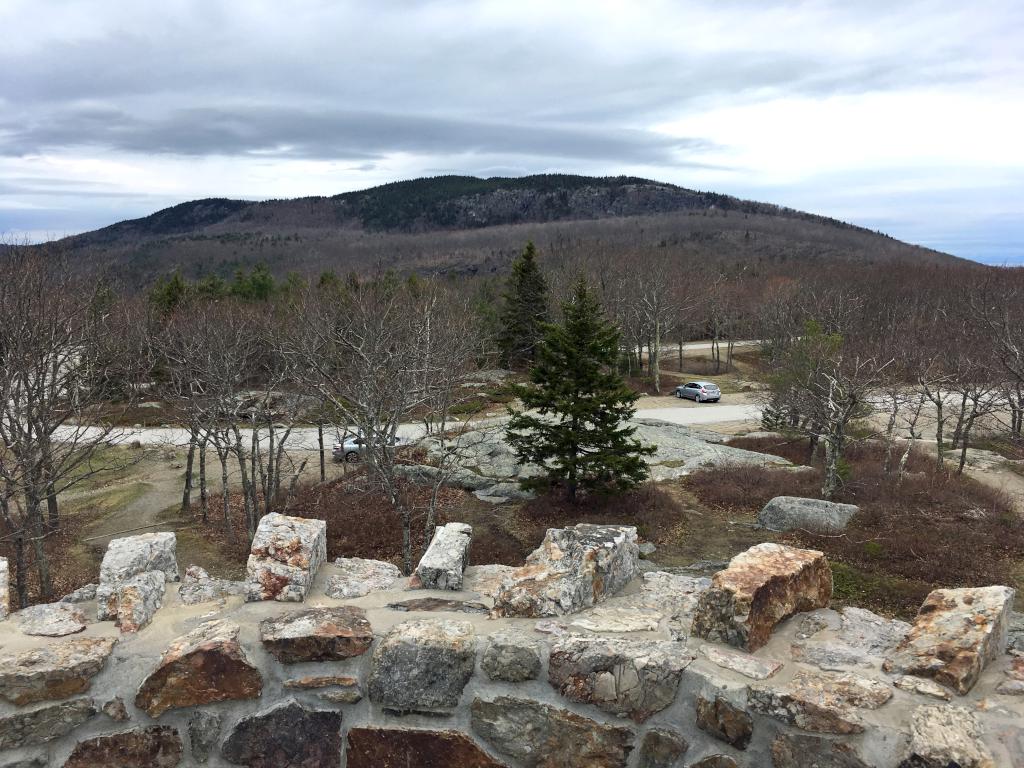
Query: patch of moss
(878, 592)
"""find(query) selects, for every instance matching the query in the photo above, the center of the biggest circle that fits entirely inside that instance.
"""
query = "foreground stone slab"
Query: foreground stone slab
(749, 666)
(923, 686)
(446, 558)
(286, 553)
(132, 555)
(197, 586)
(440, 604)
(661, 749)
(402, 747)
(760, 588)
(943, 736)
(360, 577)
(820, 702)
(629, 678)
(43, 724)
(802, 751)
(202, 667)
(318, 634)
(158, 747)
(723, 720)
(485, 580)
(133, 603)
(956, 633)
(51, 620)
(787, 513)
(286, 734)
(541, 736)
(511, 657)
(5, 588)
(422, 665)
(573, 569)
(54, 671)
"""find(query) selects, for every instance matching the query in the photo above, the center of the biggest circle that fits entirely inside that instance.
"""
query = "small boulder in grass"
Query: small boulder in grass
(789, 513)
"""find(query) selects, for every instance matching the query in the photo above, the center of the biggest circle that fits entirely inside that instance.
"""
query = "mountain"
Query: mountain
(464, 224)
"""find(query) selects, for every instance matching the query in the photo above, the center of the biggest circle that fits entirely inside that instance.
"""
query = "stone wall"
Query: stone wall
(748, 668)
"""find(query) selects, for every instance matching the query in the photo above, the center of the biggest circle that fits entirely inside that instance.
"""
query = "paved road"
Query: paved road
(306, 437)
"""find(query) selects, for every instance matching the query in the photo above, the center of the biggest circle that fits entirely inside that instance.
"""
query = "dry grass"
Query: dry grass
(933, 529)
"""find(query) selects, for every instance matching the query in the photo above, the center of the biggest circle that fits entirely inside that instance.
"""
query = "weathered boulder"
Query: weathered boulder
(485, 579)
(5, 588)
(81, 595)
(317, 634)
(284, 735)
(944, 736)
(131, 555)
(956, 633)
(51, 620)
(661, 748)
(863, 637)
(156, 747)
(629, 678)
(541, 736)
(749, 666)
(402, 747)
(422, 665)
(197, 586)
(203, 733)
(446, 558)
(664, 600)
(53, 671)
(511, 657)
(285, 555)
(787, 513)
(132, 603)
(360, 577)
(791, 750)
(204, 666)
(45, 723)
(439, 604)
(819, 702)
(573, 569)
(723, 720)
(760, 588)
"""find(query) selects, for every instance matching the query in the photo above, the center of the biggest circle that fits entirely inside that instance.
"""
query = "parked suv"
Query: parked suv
(353, 448)
(700, 391)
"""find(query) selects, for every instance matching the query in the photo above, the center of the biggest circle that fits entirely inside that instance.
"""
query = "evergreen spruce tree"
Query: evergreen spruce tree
(524, 311)
(576, 405)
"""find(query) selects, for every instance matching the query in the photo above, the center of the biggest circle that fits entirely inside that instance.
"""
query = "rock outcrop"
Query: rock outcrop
(542, 736)
(51, 620)
(360, 577)
(399, 747)
(422, 666)
(956, 633)
(53, 671)
(941, 737)
(760, 588)
(788, 513)
(317, 634)
(197, 586)
(157, 747)
(132, 603)
(286, 734)
(446, 558)
(284, 558)
(202, 667)
(573, 569)
(132, 555)
(46, 723)
(820, 702)
(629, 678)
(512, 657)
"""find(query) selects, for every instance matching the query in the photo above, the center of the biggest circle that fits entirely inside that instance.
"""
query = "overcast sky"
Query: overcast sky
(902, 116)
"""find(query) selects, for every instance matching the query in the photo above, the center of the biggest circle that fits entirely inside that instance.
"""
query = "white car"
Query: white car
(700, 391)
(353, 448)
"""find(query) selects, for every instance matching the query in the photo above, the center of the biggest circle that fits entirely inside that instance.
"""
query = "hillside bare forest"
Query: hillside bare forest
(465, 226)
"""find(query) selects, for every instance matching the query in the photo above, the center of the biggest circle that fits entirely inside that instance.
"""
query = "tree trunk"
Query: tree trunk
(939, 421)
(228, 528)
(203, 494)
(186, 493)
(656, 358)
(323, 456)
(831, 484)
(958, 430)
